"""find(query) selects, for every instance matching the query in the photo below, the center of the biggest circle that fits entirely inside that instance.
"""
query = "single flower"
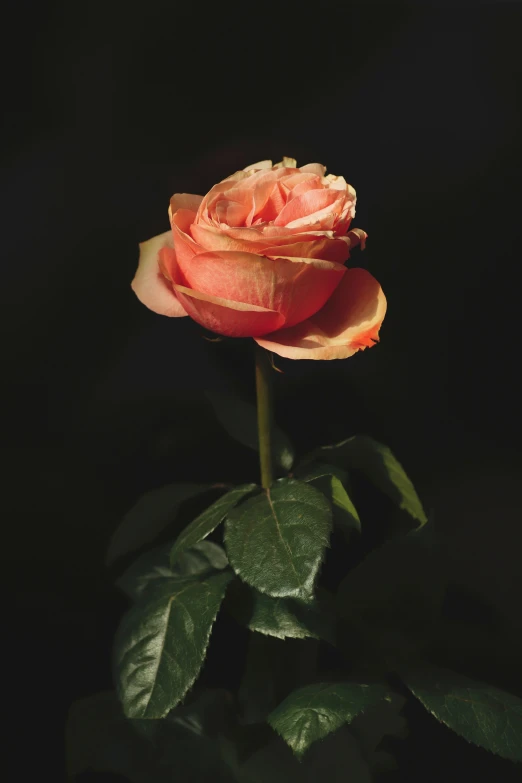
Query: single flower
(263, 255)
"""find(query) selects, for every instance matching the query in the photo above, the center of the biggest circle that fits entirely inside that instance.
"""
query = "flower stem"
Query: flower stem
(264, 415)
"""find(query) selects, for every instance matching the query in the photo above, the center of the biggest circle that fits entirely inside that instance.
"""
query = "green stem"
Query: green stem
(264, 415)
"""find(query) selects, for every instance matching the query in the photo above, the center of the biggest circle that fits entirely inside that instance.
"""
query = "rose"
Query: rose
(262, 255)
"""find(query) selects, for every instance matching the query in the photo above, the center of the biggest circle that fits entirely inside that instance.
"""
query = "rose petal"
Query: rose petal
(314, 168)
(328, 249)
(242, 190)
(355, 237)
(276, 240)
(349, 322)
(218, 314)
(184, 201)
(252, 191)
(286, 163)
(267, 202)
(302, 183)
(211, 238)
(319, 244)
(214, 193)
(169, 267)
(338, 183)
(256, 240)
(231, 213)
(184, 245)
(256, 237)
(307, 206)
(262, 164)
(295, 287)
(150, 285)
(223, 316)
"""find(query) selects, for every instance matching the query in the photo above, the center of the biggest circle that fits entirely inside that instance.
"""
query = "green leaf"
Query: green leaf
(155, 565)
(311, 713)
(208, 520)
(275, 541)
(482, 714)
(279, 617)
(153, 512)
(380, 466)
(310, 470)
(162, 642)
(331, 480)
(239, 419)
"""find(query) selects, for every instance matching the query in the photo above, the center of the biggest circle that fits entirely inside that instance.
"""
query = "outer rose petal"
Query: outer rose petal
(223, 316)
(295, 287)
(150, 285)
(349, 322)
(216, 313)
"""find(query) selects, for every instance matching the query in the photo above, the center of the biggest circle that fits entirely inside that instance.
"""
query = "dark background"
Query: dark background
(108, 110)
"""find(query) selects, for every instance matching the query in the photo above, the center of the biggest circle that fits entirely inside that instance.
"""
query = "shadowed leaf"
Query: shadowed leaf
(482, 714)
(155, 565)
(311, 713)
(380, 466)
(153, 512)
(208, 520)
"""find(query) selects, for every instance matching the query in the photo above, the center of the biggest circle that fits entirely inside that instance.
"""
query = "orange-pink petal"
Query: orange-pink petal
(262, 164)
(295, 287)
(273, 243)
(184, 201)
(216, 313)
(328, 249)
(305, 183)
(231, 213)
(184, 245)
(286, 163)
(314, 168)
(349, 322)
(224, 316)
(306, 206)
(150, 285)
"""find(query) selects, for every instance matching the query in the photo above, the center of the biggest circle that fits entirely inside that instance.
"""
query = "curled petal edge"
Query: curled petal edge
(349, 322)
(150, 285)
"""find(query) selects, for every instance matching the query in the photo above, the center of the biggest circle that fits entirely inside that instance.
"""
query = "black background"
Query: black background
(108, 110)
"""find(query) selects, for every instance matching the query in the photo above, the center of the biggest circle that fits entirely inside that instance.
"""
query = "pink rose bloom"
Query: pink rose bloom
(263, 255)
